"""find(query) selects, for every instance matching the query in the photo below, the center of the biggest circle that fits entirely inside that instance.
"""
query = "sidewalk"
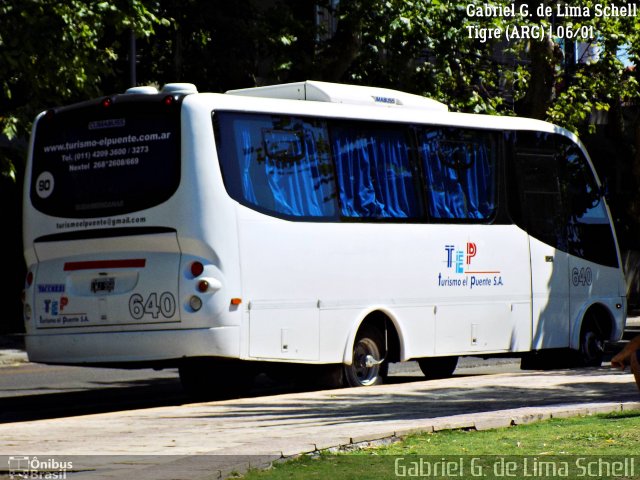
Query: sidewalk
(12, 350)
(211, 440)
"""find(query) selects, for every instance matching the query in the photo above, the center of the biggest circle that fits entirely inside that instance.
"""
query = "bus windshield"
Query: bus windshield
(107, 159)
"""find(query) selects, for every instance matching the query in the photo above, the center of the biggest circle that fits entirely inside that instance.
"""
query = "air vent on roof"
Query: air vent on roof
(179, 88)
(144, 90)
(340, 93)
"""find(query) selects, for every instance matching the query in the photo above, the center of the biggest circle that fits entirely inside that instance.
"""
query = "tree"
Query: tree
(55, 52)
(432, 48)
(51, 53)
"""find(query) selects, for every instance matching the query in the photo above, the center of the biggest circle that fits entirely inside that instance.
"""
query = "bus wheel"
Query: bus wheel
(592, 340)
(368, 366)
(438, 367)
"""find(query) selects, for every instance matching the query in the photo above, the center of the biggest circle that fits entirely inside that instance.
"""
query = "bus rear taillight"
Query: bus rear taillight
(196, 269)
(203, 286)
(29, 279)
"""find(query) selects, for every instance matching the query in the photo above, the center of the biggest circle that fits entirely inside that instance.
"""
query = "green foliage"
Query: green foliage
(54, 52)
(601, 85)
(215, 44)
(428, 47)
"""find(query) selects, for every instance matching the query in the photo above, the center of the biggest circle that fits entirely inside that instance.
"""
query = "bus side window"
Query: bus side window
(538, 172)
(541, 204)
(277, 164)
(560, 201)
(461, 174)
(374, 175)
(589, 232)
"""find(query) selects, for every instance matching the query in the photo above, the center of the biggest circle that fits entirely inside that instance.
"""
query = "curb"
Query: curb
(12, 351)
(12, 358)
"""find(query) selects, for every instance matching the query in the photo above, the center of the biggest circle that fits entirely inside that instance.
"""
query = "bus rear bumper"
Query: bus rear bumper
(129, 348)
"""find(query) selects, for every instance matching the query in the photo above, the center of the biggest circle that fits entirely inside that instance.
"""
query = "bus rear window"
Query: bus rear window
(96, 160)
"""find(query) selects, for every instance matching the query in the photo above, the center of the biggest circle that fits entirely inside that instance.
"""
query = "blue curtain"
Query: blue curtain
(298, 186)
(373, 173)
(248, 159)
(460, 177)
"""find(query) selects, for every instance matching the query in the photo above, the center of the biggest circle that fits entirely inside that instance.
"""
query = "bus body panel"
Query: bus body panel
(422, 274)
(134, 285)
(169, 256)
(591, 284)
(550, 295)
(128, 348)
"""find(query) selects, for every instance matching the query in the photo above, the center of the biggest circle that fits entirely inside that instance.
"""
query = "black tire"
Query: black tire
(592, 338)
(204, 379)
(368, 349)
(438, 367)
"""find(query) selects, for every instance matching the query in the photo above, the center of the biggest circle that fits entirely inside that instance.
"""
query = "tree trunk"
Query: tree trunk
(544, 56)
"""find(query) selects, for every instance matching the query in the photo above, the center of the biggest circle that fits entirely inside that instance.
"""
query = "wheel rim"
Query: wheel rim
(593, 347)
(364, 351)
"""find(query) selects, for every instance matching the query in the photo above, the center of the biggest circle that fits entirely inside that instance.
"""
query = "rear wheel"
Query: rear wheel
(592, 338)
(438, 367)
(368, 366)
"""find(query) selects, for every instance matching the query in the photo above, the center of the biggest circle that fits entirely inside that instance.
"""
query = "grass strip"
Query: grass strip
(599, 446)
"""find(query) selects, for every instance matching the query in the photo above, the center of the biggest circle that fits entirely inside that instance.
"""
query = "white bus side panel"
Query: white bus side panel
(590, 284)
(296, 331)
(563, 288)
(497, 326)
(133, 346)
(550, 296)
(449, 289)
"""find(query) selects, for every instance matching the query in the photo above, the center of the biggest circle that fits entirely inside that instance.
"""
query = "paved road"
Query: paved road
(160, 442)
(30, 391)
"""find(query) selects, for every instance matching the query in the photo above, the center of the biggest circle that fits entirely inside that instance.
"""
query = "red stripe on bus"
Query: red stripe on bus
(98, 264)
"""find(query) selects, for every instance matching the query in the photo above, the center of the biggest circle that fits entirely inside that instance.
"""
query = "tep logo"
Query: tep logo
(458, 258)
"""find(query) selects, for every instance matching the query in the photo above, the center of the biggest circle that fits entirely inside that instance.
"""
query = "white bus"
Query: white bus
(310, 223)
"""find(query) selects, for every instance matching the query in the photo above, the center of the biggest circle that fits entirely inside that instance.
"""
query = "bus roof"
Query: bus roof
(333, 100)
(341, 93)
(362, 102)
